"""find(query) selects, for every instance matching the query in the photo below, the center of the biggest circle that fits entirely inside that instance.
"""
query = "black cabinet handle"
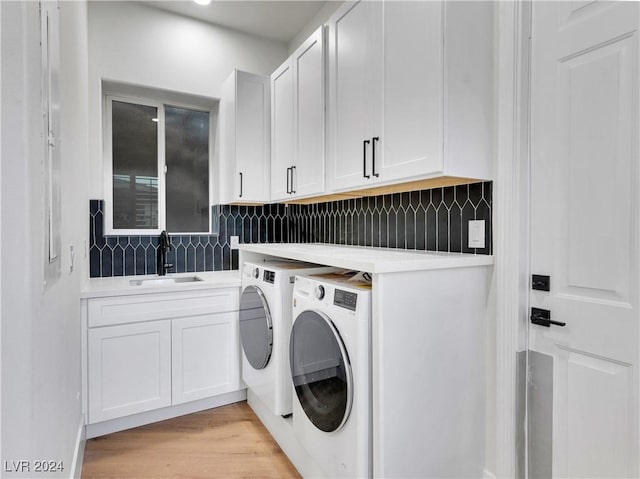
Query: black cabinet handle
(293, 169)
(240, 185)
(288, 189)
(373, 155)
(542, 317)
(364, 158)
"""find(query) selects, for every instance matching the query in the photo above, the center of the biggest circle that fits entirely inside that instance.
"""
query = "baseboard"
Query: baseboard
(78, 453)
(135, 420)
(487, 475)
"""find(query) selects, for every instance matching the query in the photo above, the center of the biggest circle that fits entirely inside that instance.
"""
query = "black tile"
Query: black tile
(118, 261)
(432, 228)
(401, 240)
(94, 205)
(421, 229)
(129, 261)
(150, 256)
(208, 258)
(462, 194)
(375, 228)
(123, 241)
(140, 255)
(449, 195)
(181, 259)
(425, 198)
(415, 199)
(217, 258)
(455, 229)
(388, 202)
(468, 214)
(105, 263)
(245, 237)
(384, 233)
(475, 193)
(410, 229)
(391, 232)
(200, 258)
(226, 258)
(254, 229)
(242, 211)
(277, 230)
(361, 228)
(95, 259)
(395, 201)
(443, 228)
(487, 192)
(134, 241)
(191, 259)
(436, 197)
(262, 229)
(405, 200)
(368, 229)
(358, 206)
(225, 210)
(234, 259)
(483, 212)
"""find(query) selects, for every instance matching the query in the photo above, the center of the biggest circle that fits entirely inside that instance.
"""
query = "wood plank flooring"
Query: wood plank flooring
(228, 441)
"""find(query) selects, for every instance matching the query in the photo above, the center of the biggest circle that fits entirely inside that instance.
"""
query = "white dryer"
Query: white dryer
(265, 325)
(330, 349)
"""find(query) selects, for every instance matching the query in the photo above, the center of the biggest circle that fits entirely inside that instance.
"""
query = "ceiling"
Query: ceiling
(276, 20)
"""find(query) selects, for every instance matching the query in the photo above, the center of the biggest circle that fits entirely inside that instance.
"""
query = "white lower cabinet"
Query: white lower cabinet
(204, 356)
(129, 369)
(153, 351)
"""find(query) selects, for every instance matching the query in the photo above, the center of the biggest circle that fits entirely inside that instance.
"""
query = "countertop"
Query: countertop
(120, 285)
(371, 260)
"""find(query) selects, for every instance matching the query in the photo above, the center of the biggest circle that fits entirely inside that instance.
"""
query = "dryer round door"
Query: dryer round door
(256, 329)
(321, 370)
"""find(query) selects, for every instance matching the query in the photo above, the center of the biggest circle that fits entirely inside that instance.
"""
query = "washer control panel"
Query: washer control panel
(345, 299)
(269, 276)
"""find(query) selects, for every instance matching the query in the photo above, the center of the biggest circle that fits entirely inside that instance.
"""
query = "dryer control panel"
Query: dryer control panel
(269, 276)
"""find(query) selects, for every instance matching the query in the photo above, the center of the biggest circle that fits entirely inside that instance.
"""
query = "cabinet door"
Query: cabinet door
(351, 47)
(411, 140)
(282, 131)
(253, 138)
(129, 369)
(205, 356)
(308, 70)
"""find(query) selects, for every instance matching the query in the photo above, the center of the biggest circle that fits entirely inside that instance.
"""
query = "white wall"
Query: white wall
(132, 43)
(40, 351)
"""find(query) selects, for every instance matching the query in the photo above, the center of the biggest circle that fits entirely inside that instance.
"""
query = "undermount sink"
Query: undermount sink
(164, 281)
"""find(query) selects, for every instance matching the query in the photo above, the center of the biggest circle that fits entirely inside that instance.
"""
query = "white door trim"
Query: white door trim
(511, 220)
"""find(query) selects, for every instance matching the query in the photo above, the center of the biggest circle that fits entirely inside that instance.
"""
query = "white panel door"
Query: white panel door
(308, 68)
(253, 137)
(205, 356)
(282, 133)
(584, 229)
(353, 36)
(129, 369)
(411, 142)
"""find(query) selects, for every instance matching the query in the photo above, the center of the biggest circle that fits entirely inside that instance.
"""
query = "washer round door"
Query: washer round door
(256, 329)
(321, 370)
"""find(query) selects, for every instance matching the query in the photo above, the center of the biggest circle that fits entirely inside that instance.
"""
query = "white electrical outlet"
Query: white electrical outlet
(476, 234)
(235, 242)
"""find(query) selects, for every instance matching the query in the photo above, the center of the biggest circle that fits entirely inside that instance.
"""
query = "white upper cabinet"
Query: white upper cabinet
(246, 137)
(410, 92)
(297, 163)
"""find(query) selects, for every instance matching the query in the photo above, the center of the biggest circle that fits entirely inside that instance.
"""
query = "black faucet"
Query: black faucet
(163, 246)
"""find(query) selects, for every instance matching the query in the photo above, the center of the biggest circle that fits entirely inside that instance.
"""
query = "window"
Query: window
(157, 167)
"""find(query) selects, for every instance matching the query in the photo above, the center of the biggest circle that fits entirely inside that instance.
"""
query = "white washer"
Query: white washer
(330, 348)
(265, 325)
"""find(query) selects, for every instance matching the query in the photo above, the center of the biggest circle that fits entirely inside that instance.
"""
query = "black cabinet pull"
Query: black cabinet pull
(364, 158)
(542, 317)
(373, 155)
(288, 189)
(240, 185)
(293, 169)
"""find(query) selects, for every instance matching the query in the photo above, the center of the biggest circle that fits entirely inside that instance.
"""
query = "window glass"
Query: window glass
(135, 166)
(187, 178)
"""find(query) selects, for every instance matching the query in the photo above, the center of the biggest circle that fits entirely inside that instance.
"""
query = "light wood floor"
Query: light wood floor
(228, 442)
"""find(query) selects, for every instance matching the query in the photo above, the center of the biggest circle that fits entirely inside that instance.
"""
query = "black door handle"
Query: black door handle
(293, 169)
(373, 155)
(542, 317)
(240, 185)
(364, 158)
(288, 189)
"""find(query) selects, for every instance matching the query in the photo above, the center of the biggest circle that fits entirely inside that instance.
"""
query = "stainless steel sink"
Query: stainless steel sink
(164, 281)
